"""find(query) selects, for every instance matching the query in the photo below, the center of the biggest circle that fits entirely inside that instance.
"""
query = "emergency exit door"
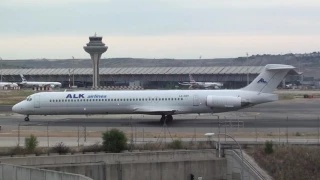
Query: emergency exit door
(195, 100)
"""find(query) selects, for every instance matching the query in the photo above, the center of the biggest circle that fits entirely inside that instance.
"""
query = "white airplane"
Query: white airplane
(26, 83)
(8, 84)
(156, 102)
(290, 86)
(194, 84)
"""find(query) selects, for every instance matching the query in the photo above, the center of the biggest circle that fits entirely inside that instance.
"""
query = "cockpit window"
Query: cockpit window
(29, 98)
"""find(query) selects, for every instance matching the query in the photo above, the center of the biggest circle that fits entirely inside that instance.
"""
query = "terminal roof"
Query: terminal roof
(218, 70)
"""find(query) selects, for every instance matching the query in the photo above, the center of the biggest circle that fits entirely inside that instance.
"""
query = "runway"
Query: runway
(5, 108)
(277, 121)
(182, 121)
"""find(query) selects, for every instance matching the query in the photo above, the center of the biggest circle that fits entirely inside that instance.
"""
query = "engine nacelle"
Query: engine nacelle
(223, 101)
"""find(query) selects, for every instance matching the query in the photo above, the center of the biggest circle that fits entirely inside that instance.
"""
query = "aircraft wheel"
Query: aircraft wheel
(162, 119)
(169, 118)
(26, 119)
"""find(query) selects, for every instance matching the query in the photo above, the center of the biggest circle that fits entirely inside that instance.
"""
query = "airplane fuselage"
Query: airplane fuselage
(155, 102)
(8, 84)
(40, 84)
(201, 84)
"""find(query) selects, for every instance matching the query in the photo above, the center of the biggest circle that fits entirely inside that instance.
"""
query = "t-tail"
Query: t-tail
(23, 78)
(270, 77)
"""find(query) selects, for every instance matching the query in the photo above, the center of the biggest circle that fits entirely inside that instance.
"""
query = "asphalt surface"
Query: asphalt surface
(179, 122)
(5, 108)
(272, 121)
(280, 114)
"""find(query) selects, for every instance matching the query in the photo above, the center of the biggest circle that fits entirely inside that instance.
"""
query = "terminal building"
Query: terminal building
(147, 77)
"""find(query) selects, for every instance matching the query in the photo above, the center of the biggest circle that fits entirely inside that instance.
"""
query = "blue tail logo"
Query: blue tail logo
(262, 81)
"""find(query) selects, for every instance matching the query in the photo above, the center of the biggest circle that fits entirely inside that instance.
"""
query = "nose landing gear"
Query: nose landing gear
(27, 118)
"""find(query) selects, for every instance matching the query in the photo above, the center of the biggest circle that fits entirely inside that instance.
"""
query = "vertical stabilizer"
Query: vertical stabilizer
(23, 78)
(191, 78)
(270, 77)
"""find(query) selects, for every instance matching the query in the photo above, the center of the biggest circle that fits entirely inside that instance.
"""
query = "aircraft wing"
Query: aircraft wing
(155, 110)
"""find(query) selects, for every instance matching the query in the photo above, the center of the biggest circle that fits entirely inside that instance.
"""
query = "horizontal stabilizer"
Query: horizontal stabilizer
(279, 67)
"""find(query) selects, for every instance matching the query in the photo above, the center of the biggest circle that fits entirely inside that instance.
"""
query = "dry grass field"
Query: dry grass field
(289, 162)
(13, 97)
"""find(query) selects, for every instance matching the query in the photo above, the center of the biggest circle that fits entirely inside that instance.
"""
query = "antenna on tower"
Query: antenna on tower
(95, 34)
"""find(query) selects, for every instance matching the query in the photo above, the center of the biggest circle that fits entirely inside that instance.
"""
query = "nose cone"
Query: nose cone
(18, 108)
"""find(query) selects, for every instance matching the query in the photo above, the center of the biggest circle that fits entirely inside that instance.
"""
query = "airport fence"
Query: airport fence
(245, 129)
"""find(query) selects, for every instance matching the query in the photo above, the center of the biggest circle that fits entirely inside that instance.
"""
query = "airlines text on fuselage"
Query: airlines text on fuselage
(81, 96)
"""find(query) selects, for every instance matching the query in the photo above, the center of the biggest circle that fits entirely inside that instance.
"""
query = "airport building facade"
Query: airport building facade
(148, 77)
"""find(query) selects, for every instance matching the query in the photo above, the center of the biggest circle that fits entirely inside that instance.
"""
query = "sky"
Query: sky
(180, 29)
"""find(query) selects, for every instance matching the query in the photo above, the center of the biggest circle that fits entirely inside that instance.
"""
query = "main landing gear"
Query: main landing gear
(167, 118)
(27, 118)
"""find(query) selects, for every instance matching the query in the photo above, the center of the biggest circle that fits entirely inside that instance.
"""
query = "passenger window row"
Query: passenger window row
(117, 99)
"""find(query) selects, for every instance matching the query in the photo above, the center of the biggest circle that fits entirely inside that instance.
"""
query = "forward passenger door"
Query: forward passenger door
(37, 101)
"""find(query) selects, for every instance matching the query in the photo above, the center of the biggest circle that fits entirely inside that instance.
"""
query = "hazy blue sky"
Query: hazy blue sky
(158, 28)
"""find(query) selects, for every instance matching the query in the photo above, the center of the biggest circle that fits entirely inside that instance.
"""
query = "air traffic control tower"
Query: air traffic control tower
(95, 48)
